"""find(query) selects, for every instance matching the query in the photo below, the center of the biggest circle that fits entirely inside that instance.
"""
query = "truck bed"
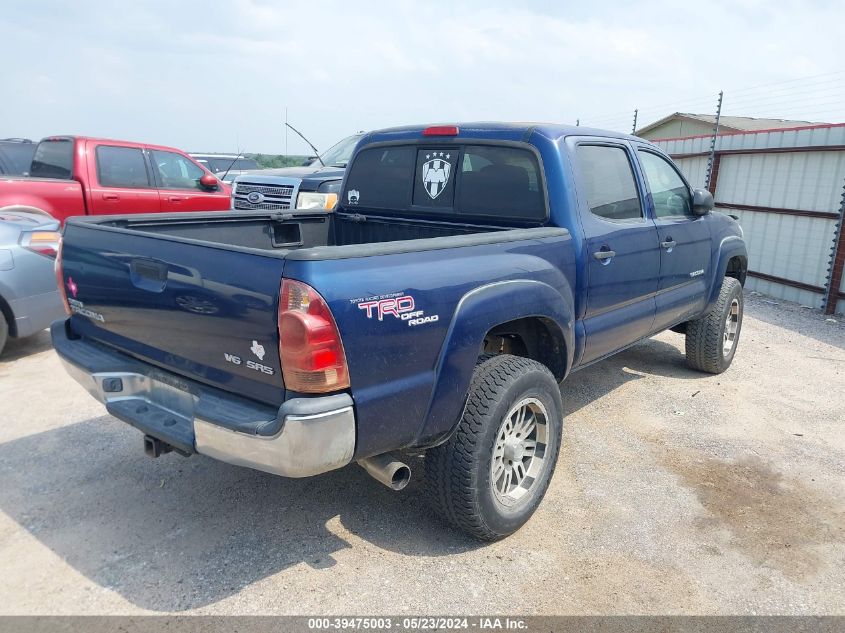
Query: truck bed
(281, 233)
(194, 293)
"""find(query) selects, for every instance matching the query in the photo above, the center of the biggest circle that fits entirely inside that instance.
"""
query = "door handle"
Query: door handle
(604, 255)
(111, 196)
(668, 244)
(175, 198)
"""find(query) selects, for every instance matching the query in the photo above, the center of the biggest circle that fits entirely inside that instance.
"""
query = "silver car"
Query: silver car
(29, 298)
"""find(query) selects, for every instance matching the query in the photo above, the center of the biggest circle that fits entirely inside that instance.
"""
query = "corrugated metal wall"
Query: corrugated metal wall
(811, 181)
(790, 247)
(788, 187)
(695, 170)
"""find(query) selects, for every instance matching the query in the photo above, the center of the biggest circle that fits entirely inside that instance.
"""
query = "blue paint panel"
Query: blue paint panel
(394, 367)
(213, 302)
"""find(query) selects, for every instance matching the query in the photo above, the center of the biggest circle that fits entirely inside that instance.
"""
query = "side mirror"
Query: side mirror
(702, 201)
(207, 181)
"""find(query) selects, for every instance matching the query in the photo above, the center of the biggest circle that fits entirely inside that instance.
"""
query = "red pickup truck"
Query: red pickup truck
(75, 175)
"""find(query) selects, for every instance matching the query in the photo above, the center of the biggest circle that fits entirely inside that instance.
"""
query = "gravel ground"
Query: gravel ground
(675, 493)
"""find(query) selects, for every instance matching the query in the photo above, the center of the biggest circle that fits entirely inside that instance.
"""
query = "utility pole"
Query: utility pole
(713, 141)
(634, 126)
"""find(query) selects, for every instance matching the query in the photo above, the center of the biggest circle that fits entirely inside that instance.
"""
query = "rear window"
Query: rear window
(222, 164)
(485, 181)
(18, 155)
(53, 159)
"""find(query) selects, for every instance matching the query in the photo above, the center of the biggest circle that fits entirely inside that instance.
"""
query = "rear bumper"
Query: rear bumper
(305, 437)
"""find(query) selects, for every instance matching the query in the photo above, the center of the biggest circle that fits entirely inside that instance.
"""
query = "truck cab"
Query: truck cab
(311, 186)
(76, 175)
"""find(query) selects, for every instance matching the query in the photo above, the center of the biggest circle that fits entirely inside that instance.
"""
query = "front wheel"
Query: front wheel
(711, 340)
(491, 475)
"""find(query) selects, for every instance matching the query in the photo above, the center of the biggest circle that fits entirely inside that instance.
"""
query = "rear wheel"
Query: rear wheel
(491, 475)
(4, 332)
(712, 340)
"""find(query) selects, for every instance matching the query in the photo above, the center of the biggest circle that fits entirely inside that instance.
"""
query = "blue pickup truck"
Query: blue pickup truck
(465, 272)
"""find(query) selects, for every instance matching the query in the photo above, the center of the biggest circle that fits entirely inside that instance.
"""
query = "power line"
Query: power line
(745, 93)
(796, 97)
(787, 81)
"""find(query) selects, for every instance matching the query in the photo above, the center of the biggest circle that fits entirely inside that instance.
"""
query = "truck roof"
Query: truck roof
(496, 129)
(57, 137)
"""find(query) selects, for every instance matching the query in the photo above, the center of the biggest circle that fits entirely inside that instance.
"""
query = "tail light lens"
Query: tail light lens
(60, 277)
(42, 242)
(310, 349)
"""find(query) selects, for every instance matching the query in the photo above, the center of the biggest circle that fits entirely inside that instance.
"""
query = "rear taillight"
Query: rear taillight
(60, 277)
(42, 242)
(310, 349)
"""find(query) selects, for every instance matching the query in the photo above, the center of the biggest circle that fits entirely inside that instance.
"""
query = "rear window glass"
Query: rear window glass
(53, 159)
(381, 178)
(121, 167)
(18, 155)
(501, 182)
(467, 180)
(222, 164)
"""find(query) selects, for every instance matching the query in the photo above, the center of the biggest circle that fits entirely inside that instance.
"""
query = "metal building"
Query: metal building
(787, 186)
(685, 124)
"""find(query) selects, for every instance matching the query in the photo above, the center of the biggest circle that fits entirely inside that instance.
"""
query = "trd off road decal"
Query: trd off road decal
(397, 305)
(435, 173)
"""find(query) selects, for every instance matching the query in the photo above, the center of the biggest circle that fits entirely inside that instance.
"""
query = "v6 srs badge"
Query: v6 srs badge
(249, 364)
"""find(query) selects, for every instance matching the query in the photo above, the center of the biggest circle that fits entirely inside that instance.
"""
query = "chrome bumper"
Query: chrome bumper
(311, 440)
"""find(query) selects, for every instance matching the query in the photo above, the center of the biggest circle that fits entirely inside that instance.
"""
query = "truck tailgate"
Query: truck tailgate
(205, 312)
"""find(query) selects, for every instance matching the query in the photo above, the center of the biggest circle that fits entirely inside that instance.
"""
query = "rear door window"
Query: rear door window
(484, 181)
(121, 167)
(609, 182)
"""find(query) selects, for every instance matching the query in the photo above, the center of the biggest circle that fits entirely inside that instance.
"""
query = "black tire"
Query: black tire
(458, 473)
(706, 337)
(4, 332)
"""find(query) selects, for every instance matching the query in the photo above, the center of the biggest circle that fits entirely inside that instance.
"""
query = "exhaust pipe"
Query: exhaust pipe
(388, 470)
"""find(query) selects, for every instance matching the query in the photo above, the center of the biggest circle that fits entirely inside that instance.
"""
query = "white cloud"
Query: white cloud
(215, 76)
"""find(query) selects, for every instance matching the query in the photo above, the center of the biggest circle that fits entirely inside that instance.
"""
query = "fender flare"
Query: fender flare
(479, 311)
(24, 208)
(730, 247)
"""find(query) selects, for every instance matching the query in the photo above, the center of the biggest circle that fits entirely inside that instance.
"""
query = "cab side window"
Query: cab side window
(670, 193)
(609, 182)
(121, 167)
(175, 171)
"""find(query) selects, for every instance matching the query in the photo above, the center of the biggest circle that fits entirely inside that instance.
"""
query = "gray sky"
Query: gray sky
(217, 76)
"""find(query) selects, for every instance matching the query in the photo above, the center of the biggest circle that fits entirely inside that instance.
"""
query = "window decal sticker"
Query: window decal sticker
(435, 173)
